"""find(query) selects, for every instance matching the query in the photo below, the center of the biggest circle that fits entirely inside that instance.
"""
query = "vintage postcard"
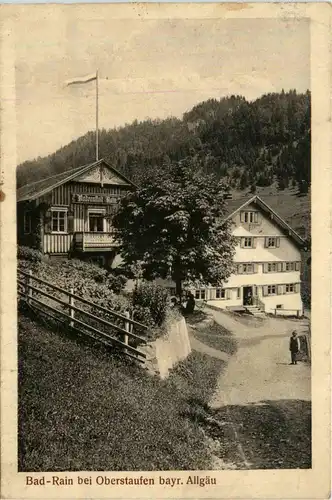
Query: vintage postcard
(165, 239)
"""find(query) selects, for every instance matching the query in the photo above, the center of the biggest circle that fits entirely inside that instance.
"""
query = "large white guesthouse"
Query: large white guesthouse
(267, 261)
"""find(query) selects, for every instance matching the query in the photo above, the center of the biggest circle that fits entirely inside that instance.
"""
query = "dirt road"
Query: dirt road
(260, 369)
(260, 414)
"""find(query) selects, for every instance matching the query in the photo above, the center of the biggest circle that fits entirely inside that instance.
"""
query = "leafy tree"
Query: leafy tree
(174, 226)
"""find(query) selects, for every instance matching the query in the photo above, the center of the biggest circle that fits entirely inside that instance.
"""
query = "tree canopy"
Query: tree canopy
(173, 226)
(248, 142)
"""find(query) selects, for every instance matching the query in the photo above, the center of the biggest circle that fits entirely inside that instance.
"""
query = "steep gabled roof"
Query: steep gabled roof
(35, 189)
(234, 206)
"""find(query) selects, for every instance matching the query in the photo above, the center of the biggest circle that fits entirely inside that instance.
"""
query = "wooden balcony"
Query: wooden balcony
(94, 242)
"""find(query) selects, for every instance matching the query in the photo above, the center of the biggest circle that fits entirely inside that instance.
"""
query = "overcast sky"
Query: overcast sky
(155, 68)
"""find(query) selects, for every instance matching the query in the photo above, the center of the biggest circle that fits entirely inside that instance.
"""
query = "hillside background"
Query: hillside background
(262, 147)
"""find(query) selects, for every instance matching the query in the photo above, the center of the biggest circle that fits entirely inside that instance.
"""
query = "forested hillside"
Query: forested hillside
(254, 144)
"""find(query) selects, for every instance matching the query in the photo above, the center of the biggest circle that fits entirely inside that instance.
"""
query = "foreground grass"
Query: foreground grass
(216, 336)
(82, 409)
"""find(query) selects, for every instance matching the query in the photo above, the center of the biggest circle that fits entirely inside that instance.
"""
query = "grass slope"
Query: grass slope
(82, 409)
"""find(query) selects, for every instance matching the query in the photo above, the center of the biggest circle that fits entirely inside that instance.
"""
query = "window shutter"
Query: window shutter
(279, 267)
(255, 268)
(227, 294)
(265, 268)
(278, 242)
(280, 289)
(242, 242)
(242, 217)
(240, 269)
(48, 222)
(256, 217)
(254, 242)
(265, 242)
(265, 290)
(283, 266)
(297, 288)
(297, 266)
(70, 223)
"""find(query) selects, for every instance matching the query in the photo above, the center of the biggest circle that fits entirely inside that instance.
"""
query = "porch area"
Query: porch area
(94, 241)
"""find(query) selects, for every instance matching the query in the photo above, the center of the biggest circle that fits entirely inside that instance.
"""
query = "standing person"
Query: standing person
(190, 306)
(294, 347)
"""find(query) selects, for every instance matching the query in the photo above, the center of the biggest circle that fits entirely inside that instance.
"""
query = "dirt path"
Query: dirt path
(260, 369)
(260, 414)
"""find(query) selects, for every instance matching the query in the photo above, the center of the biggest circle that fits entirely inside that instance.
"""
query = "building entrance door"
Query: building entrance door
(247, 295)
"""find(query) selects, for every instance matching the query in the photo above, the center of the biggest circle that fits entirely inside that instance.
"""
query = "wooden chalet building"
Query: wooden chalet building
(70, 214)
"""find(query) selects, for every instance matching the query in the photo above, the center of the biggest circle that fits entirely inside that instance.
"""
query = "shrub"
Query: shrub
(153, 297)
(27, 253)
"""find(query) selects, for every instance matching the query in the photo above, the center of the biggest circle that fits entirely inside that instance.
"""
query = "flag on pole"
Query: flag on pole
(81, 79)
(85, 79)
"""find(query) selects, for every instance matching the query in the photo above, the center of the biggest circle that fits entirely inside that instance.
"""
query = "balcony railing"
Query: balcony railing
(89, 242)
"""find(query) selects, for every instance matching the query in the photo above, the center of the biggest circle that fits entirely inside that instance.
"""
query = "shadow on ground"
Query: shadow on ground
(272, 434)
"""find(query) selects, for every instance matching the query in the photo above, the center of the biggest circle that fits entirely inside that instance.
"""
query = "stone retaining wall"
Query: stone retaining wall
(165, 352)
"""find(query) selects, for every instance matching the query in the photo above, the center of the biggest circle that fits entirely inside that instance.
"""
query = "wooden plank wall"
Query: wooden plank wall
(62, 196)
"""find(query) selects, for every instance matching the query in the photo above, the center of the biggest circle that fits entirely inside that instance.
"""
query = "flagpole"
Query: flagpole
(97, 126)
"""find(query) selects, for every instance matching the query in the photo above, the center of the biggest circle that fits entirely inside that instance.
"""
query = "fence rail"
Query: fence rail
(121, 336)
(297, 312)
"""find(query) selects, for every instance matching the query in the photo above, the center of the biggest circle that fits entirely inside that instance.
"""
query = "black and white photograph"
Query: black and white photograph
(163, 170)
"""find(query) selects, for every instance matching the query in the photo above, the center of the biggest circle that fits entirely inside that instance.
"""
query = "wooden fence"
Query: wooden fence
(294, 312)
(104, 325)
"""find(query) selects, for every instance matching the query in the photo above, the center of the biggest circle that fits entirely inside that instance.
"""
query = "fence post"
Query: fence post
(131, 324)
(29, 290)
(71, 310)
(308, 346)
(127, 328)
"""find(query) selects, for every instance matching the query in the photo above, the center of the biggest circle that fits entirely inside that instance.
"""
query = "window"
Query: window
(246, 268)
(271, 290)
(279, 306)
(273, 267)
(220, 293)
(238, 293)
(96, 220)
(249, 217)
(290, 288)
(290, 266)
(59, 221)
(27, 222)
(200, 294)
(272, 242)
(247, 242)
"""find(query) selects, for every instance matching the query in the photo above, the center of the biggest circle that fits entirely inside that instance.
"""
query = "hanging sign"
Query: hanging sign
(95, 198)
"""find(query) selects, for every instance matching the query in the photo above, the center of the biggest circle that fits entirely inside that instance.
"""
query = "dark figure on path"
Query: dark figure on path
(190, 303)
(294, 347)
